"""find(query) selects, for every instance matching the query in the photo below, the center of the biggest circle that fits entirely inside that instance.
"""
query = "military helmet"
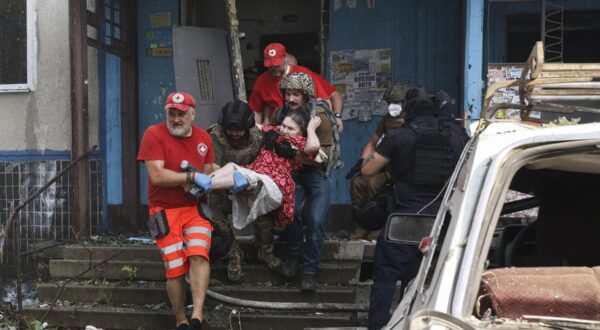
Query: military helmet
(236, 116)
(298, 80)
(395, 93)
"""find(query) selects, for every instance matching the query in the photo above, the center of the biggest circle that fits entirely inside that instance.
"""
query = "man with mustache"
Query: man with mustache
(313, 185)
(184, 242)
(266, 96)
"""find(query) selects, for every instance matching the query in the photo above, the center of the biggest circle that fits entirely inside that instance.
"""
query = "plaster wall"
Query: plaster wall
(41, 119)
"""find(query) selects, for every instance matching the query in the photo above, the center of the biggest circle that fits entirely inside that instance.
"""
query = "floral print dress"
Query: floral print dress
(280, 169)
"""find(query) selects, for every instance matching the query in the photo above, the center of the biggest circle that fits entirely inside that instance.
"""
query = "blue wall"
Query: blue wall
(426, 41)
(156, 74)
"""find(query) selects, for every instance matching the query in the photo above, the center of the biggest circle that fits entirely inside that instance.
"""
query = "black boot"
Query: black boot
(308, 284)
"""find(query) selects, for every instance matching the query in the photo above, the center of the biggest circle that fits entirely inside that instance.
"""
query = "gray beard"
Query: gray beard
(180, 131)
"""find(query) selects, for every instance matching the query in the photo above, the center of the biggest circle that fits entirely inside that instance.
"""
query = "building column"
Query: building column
(473, 59)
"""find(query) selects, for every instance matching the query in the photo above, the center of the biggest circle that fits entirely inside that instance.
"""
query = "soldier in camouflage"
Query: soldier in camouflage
(364, 189)
(237, 140)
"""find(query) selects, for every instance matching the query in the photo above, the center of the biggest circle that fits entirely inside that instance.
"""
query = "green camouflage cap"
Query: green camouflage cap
(298, 80)
(395, 94)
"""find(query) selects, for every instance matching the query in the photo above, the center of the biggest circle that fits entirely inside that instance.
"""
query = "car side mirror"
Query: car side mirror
(404, 228)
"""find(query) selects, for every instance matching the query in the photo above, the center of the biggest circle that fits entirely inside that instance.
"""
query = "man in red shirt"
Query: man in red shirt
(186, 245)
(266, 96)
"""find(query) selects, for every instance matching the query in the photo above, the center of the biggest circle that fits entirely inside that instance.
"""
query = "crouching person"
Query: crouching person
(181, 234)
(237, 140)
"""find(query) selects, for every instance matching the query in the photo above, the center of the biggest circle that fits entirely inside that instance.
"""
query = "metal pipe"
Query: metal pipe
(288, 305)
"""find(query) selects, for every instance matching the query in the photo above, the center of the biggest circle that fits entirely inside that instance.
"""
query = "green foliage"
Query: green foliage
(130, 271)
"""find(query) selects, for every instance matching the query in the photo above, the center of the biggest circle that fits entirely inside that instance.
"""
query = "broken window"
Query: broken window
(543, 258)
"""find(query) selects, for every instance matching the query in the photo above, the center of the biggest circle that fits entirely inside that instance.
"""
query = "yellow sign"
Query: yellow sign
(160, 52)
(160, 19)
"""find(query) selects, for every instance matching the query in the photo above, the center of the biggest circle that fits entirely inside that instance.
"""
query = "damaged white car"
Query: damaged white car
(516, 243)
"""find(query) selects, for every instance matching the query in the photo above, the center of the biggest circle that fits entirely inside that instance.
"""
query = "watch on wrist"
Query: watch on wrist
(189, 178)
(338, 115)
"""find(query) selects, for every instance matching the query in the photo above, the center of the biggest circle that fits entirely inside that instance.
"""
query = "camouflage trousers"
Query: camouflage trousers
(220, 206)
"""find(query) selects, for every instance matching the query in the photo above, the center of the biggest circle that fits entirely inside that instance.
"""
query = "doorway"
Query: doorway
(295, 24)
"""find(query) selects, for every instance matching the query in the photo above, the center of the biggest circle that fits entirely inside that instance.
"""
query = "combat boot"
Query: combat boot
(265, 254)
(373, 235)
(359, 233)
(234, 264)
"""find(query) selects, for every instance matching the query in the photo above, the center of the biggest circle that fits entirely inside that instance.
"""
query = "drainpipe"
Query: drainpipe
(80, 177)
(237, 70)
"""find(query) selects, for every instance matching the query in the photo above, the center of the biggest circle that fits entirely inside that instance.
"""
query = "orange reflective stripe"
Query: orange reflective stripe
(171, 248)
(197, 230)
(174, 263)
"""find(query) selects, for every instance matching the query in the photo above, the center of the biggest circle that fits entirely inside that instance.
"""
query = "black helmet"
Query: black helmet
(236, 116)
(418, 102)
(443, 102)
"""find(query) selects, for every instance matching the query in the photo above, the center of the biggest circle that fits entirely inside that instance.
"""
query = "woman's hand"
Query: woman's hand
(314, 122)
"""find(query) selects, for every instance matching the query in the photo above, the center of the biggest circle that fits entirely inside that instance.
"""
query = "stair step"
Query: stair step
(129, 318)
(112, 293)
(155, 293)
(329, 272)
(105, 317)
(332, 250)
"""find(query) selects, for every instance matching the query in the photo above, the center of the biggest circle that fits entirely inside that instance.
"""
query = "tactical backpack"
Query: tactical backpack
(334, 154)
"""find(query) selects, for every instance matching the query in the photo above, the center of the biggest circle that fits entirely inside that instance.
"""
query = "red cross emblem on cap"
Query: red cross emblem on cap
(272, 52)
(178, 98)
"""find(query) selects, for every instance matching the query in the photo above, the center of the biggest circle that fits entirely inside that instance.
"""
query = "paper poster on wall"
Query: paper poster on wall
(362, 76)
(498, 72)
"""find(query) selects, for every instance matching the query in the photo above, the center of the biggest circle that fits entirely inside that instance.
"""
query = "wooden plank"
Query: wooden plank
(569, 74)
(565, 92)
(80, 179)
(571, 66)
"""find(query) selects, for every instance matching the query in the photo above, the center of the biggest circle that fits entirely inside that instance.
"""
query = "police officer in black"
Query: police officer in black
(422, 155)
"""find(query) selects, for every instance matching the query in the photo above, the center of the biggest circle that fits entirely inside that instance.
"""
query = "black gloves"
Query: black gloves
(355, 170)
(285, 150)
(271, 139)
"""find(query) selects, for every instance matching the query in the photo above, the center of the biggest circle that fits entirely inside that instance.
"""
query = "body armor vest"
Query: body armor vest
(243, 155)
(433, 159)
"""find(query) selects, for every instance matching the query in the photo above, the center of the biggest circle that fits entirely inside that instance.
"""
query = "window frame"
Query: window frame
(31, 45)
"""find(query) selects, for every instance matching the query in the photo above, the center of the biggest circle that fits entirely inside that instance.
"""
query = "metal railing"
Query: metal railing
(17, 232)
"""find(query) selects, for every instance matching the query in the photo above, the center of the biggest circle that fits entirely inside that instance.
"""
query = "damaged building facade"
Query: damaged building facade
(76, 74)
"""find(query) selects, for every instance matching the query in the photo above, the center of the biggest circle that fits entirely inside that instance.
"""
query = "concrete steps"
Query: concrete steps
(107, 297)
(127, 318)
(332, 250)
(341, 272)
(121, 294)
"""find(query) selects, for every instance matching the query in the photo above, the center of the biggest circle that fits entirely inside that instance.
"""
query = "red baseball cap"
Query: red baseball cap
(274, 54)
(180, 101)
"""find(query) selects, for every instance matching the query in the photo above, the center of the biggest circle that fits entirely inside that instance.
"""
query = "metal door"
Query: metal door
(202, 68)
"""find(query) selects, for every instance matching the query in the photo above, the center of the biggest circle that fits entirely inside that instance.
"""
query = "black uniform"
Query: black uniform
(422, 154)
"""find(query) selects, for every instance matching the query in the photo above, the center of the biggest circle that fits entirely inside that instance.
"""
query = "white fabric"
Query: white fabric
(247, 208)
